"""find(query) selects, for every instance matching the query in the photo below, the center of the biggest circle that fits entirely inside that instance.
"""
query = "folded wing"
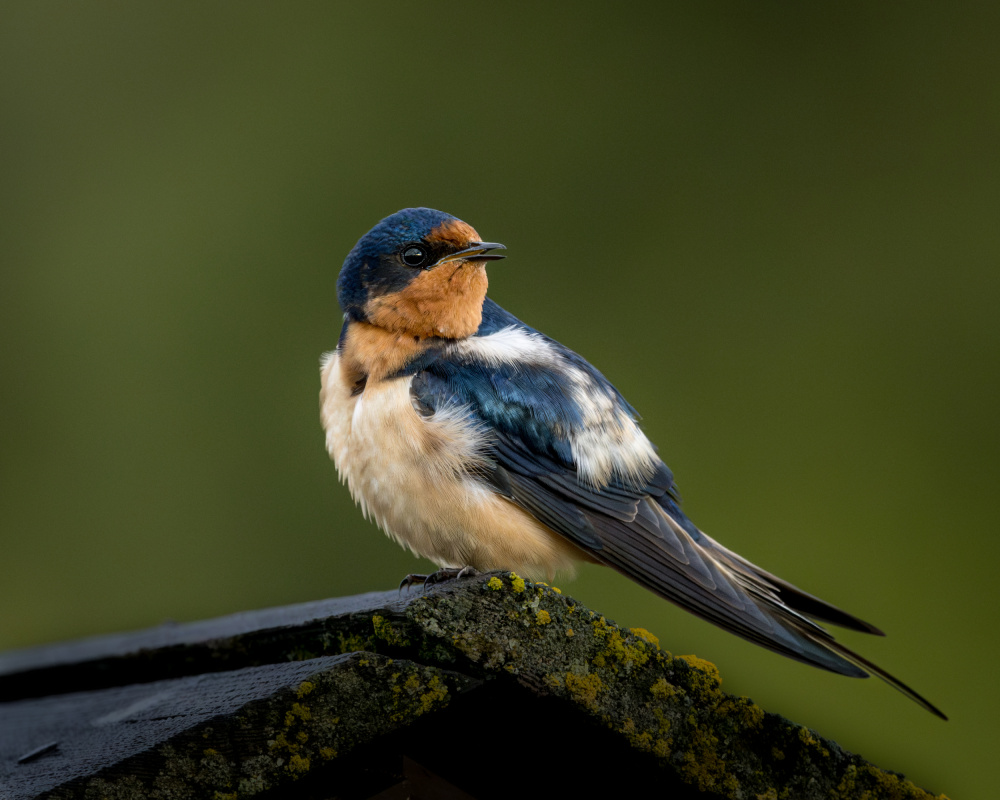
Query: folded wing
(628, 521)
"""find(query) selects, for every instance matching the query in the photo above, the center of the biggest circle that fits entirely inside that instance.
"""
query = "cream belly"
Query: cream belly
(411, 474)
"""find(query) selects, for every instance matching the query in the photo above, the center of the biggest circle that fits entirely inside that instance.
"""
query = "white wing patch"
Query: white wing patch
(609, 443)
(508, 346)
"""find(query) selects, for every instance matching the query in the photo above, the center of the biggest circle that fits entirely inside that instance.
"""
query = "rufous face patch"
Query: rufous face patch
(455, 233)
(444, 302)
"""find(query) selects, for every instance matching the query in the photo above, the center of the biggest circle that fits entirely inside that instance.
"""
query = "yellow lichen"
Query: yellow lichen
(426, 696)
(495, 583)
(516, 582)
(542, 617)
(642, 633)
(298, 764)
(327, 753)
(663, 723)
(705, 666)
(702, 764)
(867, 783)
(570, 632)
(297, 710)
(385, 631)
(412, 683)
(743, 710)
(304, 688)
(807, 738)
(436, 692)
(705, 680)
(352, 643)
(224, 796)
(662, 690)
(618, 651)
(643, 741)
(584, 689)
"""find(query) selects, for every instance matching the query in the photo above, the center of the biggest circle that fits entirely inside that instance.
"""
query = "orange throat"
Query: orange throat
(445, 302)
(369, 352)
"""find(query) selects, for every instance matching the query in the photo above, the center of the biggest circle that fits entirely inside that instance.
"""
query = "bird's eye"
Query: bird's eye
(415, 255)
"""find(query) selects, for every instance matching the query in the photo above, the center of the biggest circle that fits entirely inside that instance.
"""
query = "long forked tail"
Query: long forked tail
(805, 605)
(876, 670)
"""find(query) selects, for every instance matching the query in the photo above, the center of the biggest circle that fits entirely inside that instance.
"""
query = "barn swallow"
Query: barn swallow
(476, 441)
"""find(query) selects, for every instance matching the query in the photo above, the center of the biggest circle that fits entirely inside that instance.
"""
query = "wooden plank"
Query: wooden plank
(173, 650)
(268, 703)
(240, 731)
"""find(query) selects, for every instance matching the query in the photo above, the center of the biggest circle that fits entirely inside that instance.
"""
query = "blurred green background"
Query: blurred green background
(774, 228)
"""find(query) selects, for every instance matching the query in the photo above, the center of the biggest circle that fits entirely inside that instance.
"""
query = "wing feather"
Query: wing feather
(631, 521)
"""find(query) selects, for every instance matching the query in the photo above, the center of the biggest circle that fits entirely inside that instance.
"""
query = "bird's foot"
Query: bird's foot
(441, 576)
(450, 574)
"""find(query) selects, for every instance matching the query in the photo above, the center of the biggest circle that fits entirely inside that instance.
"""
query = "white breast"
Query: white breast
(413, 476)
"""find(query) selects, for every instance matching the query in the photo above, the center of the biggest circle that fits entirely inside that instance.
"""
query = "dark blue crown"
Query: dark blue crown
(361, 273)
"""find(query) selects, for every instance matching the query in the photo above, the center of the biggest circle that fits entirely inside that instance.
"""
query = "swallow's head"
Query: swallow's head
(419, 272)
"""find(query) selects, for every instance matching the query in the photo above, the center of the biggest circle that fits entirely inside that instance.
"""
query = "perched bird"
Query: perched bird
(476, 441)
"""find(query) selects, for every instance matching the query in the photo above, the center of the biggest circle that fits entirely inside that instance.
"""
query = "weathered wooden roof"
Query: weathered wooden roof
(474, 688)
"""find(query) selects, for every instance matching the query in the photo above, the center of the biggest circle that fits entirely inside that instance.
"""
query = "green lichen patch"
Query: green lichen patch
(416, 695)
(865, 782)
(662, 690)
(388, 633)
(584, 689)
(642, 633)
(409, 658)
(349, 642)
(704, 677)
(276, 741)
(673, 709)
(812, 742)
(621, 650)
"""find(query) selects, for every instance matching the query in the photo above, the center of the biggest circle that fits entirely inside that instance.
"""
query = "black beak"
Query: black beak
(476, 251)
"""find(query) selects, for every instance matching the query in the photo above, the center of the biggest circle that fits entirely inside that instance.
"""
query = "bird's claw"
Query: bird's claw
(443, 575)
(412, 580)
(450, 573)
